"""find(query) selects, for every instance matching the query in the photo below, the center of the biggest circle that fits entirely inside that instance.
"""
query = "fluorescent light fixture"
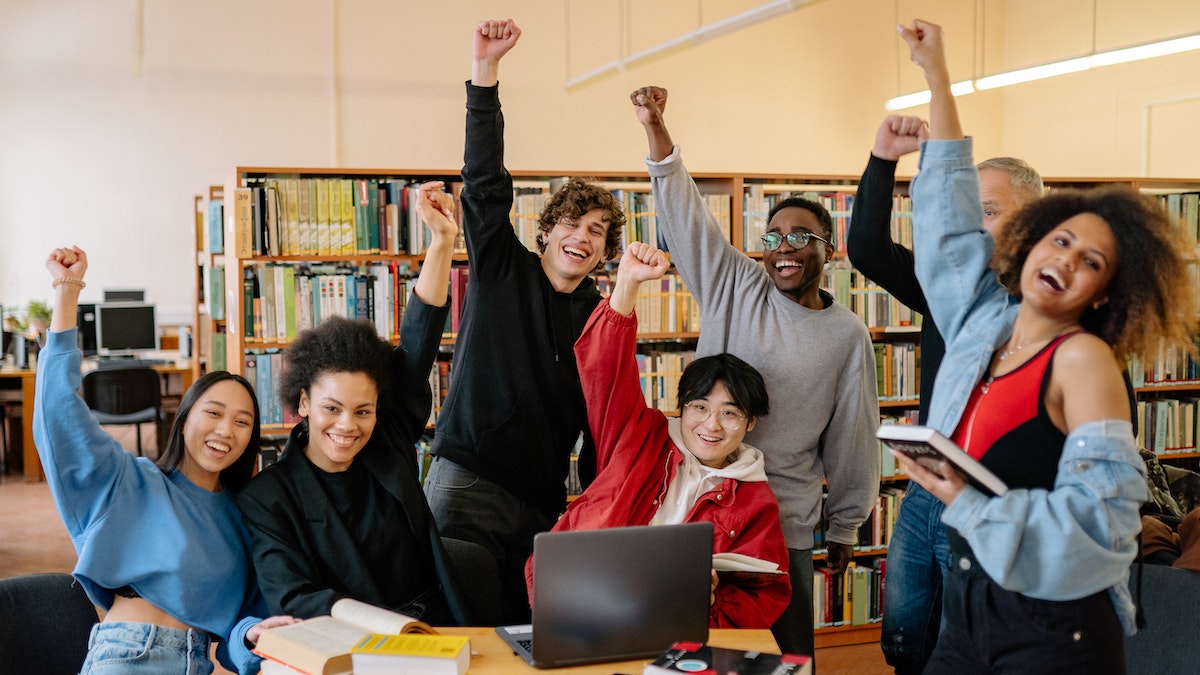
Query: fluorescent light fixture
(1031, 74)
(922, 97)
(1076, 65)
(1164, 48)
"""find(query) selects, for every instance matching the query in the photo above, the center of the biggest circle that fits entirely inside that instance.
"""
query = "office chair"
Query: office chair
(126, 396)
(45, 622)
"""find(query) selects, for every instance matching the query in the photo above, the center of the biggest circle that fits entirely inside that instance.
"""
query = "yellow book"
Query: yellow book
(426, 654)
(321, 645)
(243, 223)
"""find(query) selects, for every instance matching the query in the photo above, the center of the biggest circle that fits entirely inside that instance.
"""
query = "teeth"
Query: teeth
(574, 251)
(219, 447)
(786, 263)
(710, 439)
(1052, 276)
(343, 441)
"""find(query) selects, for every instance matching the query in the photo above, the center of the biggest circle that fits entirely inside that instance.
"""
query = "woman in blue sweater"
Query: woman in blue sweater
(161, 545)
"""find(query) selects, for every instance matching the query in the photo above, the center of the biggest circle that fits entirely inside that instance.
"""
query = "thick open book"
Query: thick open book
(931, 448)
(321, 645)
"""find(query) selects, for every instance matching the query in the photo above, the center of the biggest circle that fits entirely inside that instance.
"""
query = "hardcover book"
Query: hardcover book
(930, 448)
(702, 659)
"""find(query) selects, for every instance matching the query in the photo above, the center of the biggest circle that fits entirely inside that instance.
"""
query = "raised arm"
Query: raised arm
(641, 262)
(924, 41)
(869, 243)
(650, 103)
(487, 194)
(436, 208)
(493, 39)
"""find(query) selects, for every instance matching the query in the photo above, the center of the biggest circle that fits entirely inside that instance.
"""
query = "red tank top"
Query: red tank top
(1000, 405)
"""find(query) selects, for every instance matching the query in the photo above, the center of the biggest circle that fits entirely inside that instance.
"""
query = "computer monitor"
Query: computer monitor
(125, 328)
(124, 295)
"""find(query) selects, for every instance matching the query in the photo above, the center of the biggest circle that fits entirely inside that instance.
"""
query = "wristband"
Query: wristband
(58, 281)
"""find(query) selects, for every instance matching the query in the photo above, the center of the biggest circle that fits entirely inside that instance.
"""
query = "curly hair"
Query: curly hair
(235, 476)
(1150, 297)
(576, 197)
(338, 345)
(812, 207)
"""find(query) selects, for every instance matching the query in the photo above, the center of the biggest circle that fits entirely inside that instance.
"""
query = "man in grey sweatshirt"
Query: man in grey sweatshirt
(815, 355)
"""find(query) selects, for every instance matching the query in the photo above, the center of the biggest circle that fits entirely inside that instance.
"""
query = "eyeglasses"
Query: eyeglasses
(728, 418)
(797, 240)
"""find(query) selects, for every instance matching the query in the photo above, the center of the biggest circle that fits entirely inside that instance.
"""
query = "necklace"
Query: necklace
(1013, 350)
(986, 385)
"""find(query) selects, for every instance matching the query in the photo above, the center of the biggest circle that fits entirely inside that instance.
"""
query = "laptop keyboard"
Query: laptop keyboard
(527, 645)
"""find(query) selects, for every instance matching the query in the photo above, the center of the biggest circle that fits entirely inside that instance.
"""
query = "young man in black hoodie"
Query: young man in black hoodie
(515, 410)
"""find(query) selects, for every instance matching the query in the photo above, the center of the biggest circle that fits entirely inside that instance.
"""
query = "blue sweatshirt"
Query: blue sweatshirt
(180, 546)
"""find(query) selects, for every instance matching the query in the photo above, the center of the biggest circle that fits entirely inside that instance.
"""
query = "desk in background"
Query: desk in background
(495, 657)
(32, 465)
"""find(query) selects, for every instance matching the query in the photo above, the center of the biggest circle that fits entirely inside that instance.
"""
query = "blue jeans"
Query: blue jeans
(912, 602)
(122, 647)
(793, 630)
(471, 508)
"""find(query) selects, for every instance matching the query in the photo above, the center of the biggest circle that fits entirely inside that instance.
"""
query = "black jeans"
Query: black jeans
(991, 630)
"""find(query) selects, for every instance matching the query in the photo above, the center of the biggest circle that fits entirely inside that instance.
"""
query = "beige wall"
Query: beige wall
(110, 123)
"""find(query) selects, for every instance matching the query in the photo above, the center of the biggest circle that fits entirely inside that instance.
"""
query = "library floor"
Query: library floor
(33, 539)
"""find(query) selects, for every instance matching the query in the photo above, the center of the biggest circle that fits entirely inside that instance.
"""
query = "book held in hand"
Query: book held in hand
(745, 570)
(321, 645)
(930, 448)
(425, 654)
(701, 659)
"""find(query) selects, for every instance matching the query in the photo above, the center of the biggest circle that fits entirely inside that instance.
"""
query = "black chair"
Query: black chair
(1171, 600)
(478, 578)
(126, 396)
(45, 619)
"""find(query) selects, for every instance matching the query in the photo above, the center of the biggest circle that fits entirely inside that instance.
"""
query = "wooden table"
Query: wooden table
(33, 465)
(495, 657)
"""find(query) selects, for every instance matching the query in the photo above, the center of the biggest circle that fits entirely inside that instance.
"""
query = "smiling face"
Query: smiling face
(216, 432)
(797, 272)
(341, 412)
(708, 440)
(1070, 268)
(574, 248)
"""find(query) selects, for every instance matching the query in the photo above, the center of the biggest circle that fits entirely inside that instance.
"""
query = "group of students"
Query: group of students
(1030, 321)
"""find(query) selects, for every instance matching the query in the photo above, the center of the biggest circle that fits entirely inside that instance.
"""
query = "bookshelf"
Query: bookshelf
(667, 332)
(208, 317)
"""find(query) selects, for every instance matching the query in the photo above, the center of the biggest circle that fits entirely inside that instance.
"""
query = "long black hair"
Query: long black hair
(235, 476)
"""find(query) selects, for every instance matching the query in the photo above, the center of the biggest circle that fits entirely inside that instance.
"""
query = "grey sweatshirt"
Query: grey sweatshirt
(819, 367)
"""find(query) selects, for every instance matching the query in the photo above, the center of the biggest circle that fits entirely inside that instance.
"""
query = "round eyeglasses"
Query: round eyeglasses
(728, 418)
(797, 240)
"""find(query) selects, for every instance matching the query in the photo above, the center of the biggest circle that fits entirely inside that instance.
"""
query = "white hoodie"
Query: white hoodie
(693, 479)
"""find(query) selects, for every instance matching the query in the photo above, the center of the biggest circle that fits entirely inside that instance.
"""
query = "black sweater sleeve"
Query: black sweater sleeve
(869, 242)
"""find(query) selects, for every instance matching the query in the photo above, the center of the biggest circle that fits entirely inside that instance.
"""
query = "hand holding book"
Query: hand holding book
(936, 463)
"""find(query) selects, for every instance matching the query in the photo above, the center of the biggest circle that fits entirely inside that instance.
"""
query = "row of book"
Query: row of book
(280, 300)
(662, 306)
(1185, 207)
(1167, 425)
(851, 599)
(876, 307)
(1172, 366)
(757, 204)
(898, 370)
(324, 217)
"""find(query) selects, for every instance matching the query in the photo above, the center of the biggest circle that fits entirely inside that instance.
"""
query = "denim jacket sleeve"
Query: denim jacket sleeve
(1069, 542)
(952, 253)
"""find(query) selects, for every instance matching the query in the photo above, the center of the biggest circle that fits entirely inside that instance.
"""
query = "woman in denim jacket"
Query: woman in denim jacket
(1038, 577)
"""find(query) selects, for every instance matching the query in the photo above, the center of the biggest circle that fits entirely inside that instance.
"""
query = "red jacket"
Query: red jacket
(635, 462)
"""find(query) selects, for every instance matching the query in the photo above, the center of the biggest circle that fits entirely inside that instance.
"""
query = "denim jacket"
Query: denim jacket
(1066, 543)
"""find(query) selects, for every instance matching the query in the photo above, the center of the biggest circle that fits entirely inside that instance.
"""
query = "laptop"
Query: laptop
(615, 594)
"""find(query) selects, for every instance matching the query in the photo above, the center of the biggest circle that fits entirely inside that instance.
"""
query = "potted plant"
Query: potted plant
(37, 316)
